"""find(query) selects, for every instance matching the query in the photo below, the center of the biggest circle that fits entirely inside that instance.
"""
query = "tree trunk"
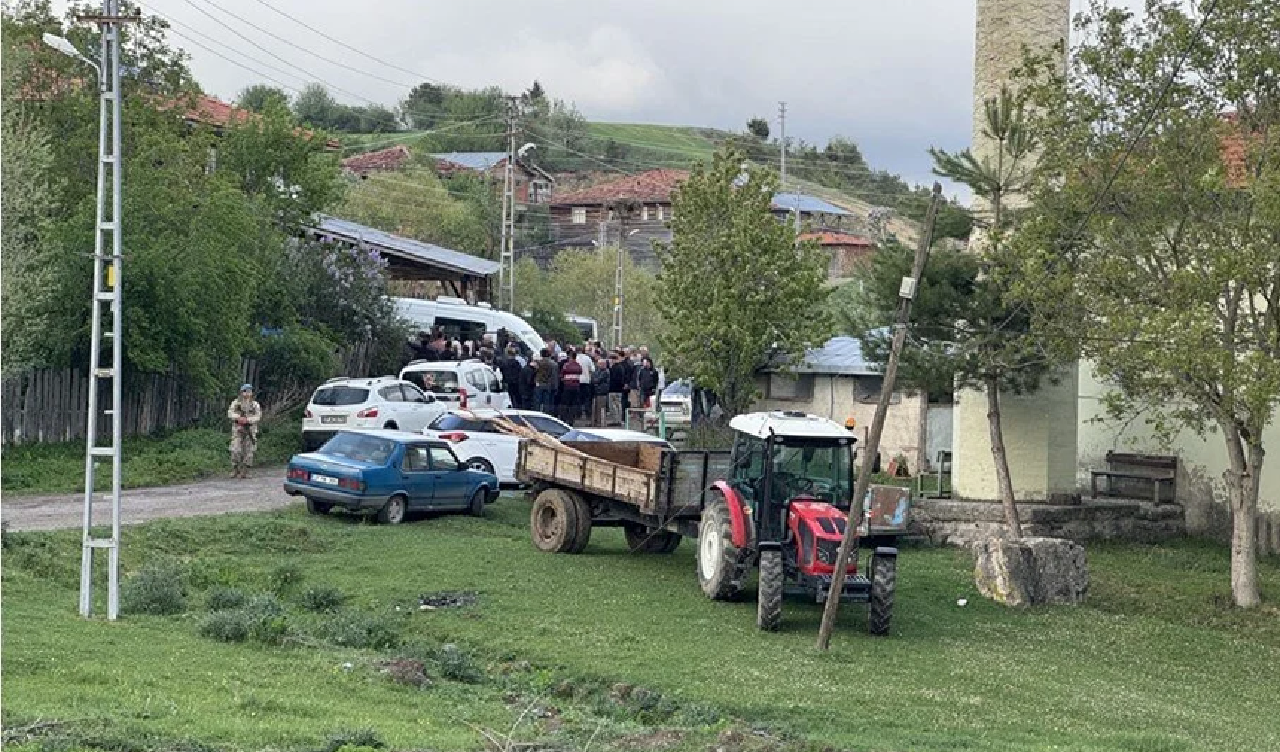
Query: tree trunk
(1001, 461)
(1243, 477)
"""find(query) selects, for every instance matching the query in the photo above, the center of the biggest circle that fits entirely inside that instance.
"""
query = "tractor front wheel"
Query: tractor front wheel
(884, 577)
(721, 565)
(769, 599)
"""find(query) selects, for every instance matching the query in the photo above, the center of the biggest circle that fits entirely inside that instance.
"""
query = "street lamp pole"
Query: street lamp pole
(107, 289)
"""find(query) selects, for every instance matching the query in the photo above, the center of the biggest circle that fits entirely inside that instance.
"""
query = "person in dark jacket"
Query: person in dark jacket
(617, 387)
(646, 381)
(545, 385)
(528, 384)
(570, 385)
(600, 392)
(509, 367)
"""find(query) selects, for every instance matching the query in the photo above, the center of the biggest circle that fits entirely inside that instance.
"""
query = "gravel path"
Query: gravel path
(262, 490)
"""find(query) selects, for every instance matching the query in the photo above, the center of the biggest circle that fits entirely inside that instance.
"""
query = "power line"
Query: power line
(300, 48)
(340, 43)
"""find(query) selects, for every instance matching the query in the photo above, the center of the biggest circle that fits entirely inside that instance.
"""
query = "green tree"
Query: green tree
(414, 202)
(1152, 254)
(424, 107)
(735, 286)
(259, 96)
(758, 127)
(315, 106)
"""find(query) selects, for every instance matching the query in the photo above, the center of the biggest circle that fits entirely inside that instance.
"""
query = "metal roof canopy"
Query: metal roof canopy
(839, 356)
(407, 259)
(474, 160)
(806, 204)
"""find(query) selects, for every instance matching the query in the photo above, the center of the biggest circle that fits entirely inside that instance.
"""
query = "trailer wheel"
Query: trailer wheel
(884, 577)
(721, 565)
(769, 598)
(646, 540)
(582, 530)
(553, 521)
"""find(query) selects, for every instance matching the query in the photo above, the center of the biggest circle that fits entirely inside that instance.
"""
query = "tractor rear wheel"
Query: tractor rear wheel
(582, 513)
(553, 521)
(884, 577)
(646, 540)
(721, 565)
(769, 598)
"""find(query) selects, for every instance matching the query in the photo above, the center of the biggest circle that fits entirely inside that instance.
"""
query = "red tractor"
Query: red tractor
(784, 506)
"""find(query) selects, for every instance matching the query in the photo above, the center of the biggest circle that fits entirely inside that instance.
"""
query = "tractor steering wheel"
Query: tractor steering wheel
(801, 484)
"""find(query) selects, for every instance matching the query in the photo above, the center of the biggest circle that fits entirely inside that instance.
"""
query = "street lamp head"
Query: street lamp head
(67, 48)
(520, 152)
(633, 232)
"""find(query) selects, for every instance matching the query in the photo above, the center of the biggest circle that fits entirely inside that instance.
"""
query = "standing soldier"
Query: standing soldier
(245, 412)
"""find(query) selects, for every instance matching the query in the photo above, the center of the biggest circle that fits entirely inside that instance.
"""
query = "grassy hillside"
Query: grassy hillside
(661, 143)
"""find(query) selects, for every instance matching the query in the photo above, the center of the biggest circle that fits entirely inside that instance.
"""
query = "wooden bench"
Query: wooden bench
(1158, 469)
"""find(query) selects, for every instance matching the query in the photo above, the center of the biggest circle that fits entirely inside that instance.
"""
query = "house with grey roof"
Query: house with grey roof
(837, 382)
(532, 183)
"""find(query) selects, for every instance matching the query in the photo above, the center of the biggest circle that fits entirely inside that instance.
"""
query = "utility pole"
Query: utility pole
(782, 139)
(851, 532)
(107, 288)
(507, 255)
(617, 275)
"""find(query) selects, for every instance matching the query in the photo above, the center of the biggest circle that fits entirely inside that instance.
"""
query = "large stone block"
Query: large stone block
(1031, 571)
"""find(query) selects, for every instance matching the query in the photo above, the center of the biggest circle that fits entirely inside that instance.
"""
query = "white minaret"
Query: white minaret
(1040, 429)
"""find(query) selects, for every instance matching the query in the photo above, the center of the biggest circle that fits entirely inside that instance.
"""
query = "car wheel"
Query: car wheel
(318, 507)
(481, 464)
(391, 425)
(392, 513)
(475, 507)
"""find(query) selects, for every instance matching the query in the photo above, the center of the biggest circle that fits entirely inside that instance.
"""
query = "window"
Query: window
(549, 426)
(790, 386)
(360, 447)
(416, 459)
(644, 213)
(660, 217)
(438, 382)
(579, 215)
(477, 380)
(413, 394)
(335, 396)
(866, 389)
(391, 393)
(443, 459)
(453, 422)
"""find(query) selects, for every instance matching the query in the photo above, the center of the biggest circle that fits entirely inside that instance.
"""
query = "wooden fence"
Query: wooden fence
(51, 405)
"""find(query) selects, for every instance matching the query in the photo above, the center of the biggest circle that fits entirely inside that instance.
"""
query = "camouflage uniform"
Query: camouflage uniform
(244, 437)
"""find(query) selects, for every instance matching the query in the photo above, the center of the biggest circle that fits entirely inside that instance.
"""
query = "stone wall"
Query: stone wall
(965, 522)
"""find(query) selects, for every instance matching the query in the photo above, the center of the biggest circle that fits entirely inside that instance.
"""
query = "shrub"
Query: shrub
(295, 357)
(456, 664)
(157, 588)
(284, 577)
(366, 738)
(226, 626)
(407, 671)
(323, 599)
(358, 631)
(224, 598)
(260, 618)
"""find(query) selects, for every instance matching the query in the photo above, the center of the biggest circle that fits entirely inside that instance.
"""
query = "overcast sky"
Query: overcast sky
(893, 75)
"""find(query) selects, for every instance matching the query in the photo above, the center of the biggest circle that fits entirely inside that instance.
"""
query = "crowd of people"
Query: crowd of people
(580, 384)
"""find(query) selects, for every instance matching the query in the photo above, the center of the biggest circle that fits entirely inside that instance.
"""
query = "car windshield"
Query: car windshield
(452, 422)
(334, 396)
(821, 470)
(360, 447)
(439, 382)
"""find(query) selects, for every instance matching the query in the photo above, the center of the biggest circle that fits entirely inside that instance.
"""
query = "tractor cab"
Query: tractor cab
(792, 474)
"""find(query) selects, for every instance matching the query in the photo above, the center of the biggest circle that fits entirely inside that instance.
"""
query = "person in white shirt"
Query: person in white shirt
(588, 367)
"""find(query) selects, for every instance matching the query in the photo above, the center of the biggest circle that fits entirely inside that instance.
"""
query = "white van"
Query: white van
(461, 320)
(588, 327)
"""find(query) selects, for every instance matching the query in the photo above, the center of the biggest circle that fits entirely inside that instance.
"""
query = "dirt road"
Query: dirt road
(261, 491)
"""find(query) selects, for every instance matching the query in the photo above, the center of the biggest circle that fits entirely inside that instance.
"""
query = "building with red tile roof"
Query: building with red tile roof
(848, 250)
(383, 160)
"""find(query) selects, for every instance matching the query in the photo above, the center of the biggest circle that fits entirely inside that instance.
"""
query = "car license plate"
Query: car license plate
(325, 479)
(333, 419)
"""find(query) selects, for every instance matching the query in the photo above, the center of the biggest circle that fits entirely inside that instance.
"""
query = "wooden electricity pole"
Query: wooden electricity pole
(905, 295)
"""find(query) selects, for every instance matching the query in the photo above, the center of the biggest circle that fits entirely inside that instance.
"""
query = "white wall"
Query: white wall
(1201, 460)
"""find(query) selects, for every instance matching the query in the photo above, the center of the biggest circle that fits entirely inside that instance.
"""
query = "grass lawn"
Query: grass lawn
(669, 142)
(179, 456)
(623, 652)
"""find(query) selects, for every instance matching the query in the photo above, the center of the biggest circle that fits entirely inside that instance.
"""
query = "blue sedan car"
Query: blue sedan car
(390, 473)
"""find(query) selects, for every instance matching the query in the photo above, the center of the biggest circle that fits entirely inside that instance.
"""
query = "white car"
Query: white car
(481, 446)
(465, 384)
(613, 434)
(384, 402)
